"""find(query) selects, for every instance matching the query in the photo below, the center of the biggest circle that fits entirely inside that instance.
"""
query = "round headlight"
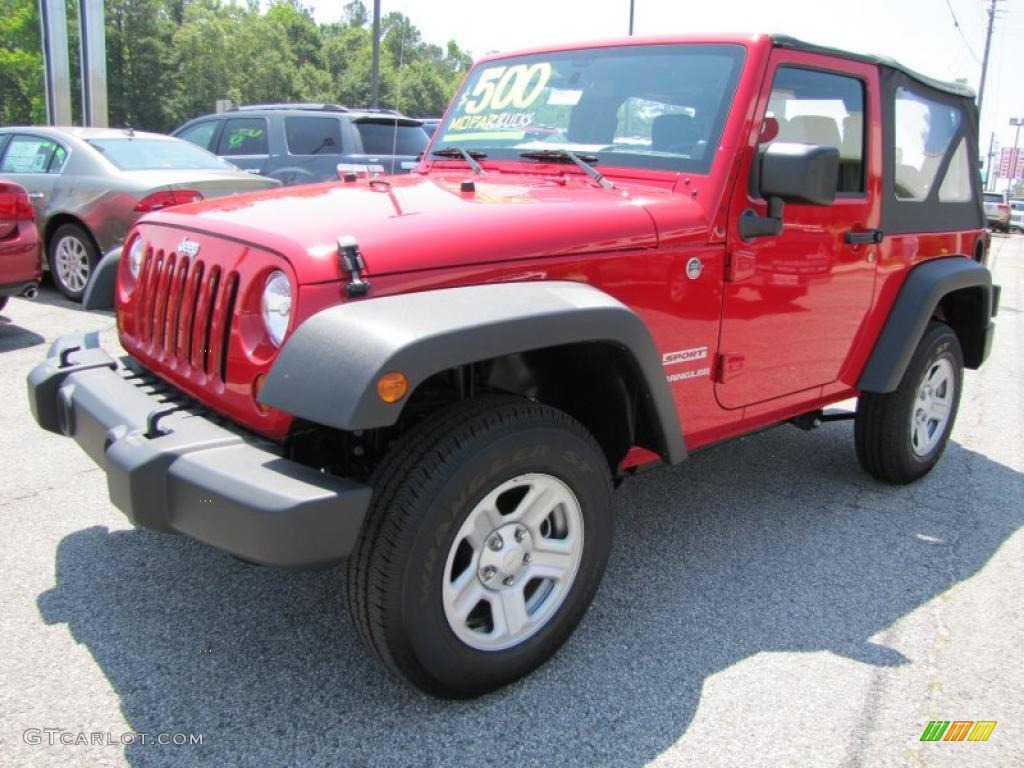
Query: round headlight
(135, 254)
(277, 306)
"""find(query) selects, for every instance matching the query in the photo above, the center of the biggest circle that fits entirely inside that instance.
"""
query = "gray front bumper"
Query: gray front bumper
(183, 473)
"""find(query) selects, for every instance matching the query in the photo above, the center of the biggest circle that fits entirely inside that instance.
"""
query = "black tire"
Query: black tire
(423, 492)
(883, 428)
(82, 242)
(3, 302)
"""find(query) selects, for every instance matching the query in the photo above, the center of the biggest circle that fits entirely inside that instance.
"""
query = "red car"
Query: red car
(21, 260)
(611, 255)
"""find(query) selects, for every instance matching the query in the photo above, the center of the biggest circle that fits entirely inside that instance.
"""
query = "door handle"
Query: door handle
(36, 195)
(864, 237)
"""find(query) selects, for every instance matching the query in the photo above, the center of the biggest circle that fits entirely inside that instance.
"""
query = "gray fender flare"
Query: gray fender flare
(912, 310)
(327, 370)
(99, 293)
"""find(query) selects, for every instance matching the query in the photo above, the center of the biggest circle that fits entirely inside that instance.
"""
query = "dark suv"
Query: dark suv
(303, 143)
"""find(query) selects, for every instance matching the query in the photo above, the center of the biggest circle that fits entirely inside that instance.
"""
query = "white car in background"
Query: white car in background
(1017, 215)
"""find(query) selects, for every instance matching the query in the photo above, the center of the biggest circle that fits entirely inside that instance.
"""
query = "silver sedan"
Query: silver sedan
(90, 185)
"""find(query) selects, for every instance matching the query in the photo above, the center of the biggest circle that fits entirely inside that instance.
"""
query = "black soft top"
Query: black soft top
(956, 89)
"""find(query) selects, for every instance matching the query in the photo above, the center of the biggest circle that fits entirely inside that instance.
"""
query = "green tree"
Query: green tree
(140, 38)
(170, 60)
(21, 64)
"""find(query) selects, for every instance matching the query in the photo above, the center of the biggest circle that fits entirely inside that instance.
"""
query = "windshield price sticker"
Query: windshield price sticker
(501, 121)
(502, 87)
(500, 102)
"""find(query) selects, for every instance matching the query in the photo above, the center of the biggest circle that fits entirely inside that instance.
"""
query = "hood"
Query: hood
(419, 222)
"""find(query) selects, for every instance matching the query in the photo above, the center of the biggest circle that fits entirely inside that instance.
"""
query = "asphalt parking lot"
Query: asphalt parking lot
(766, 604)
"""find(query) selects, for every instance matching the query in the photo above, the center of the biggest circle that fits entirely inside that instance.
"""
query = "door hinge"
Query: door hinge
(739, 265)
(729, 366)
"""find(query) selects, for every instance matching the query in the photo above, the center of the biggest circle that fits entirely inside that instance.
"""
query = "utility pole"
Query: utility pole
(984, 58)
(375, 64)
(631, 3)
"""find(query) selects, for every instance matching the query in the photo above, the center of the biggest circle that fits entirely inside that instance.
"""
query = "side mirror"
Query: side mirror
(791, 173)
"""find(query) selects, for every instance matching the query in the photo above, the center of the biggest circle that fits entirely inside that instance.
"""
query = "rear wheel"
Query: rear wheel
(488, 536)
(3, 302)
(73, 257)
(900, 435)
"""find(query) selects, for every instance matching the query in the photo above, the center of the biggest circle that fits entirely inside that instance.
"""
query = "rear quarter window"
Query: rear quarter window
(387, 138)
(313, 135)
(924, 131)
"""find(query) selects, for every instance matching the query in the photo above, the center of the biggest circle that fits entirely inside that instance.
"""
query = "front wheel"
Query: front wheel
(900, 435)
(488, 536)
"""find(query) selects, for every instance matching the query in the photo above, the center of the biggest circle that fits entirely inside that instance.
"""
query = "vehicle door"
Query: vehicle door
(35, 162)
(244, 142)
(793, 303)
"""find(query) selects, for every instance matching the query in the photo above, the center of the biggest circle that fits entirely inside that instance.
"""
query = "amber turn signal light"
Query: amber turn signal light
(392, 387)
(257, 387)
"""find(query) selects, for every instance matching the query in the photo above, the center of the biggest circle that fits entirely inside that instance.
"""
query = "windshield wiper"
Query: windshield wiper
(583, 161)
(468, 155)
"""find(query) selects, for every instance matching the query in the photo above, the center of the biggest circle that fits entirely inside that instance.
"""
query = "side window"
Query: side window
(31, 154)
(243, 136)
(200, 134)
(956, 187)
(59, 156)
(313, 135)
(924, 131)
(823, 109)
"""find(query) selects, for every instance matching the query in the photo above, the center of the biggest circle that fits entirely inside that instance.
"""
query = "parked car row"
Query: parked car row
(304, 143)
(86, 187)
(1002, 214)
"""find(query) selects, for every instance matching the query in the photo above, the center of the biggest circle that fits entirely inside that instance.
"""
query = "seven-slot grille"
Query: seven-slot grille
(183, 311)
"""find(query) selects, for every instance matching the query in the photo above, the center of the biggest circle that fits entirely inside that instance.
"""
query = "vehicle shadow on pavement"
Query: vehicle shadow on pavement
(51, 297)
(776, 542)
(13, 336)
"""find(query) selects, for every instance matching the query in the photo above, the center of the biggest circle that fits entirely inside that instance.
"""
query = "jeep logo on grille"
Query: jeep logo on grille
(188, 248)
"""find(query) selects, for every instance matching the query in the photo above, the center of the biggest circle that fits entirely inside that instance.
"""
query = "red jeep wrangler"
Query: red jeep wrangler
(610, 256)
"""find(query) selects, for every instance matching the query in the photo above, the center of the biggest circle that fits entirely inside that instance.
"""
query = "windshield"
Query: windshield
(158, 154)
(652, 106)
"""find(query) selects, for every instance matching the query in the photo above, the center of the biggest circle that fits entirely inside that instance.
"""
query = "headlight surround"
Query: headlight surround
(135, 254)
(276, 306)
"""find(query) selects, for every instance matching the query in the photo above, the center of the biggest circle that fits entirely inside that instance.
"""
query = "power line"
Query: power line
(963, 37)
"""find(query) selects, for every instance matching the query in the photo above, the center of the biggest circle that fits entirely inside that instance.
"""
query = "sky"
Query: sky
(920, 33)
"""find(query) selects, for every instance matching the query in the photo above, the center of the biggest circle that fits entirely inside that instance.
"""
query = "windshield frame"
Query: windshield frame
(642, 160)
